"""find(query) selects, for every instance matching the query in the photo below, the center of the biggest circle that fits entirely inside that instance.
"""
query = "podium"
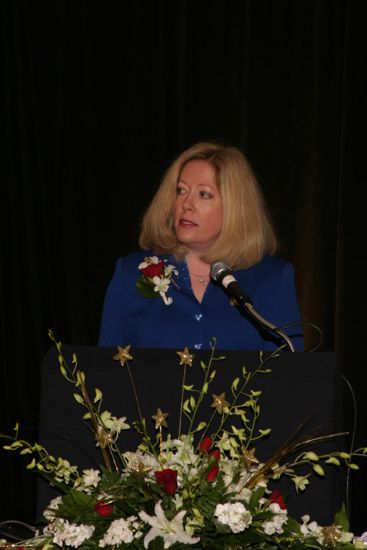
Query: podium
(302, 395)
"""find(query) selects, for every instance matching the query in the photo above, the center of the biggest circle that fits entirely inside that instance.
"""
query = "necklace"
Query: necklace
(202, 280)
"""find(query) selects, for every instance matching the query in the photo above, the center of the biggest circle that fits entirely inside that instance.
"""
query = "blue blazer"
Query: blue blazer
(129, 318)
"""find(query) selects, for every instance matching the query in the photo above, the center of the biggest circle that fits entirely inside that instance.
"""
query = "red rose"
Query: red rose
(206, 444)
(213, 472)
(215, 455)
(277, 498)
(168, 479)
(103, 509)
(153, 270)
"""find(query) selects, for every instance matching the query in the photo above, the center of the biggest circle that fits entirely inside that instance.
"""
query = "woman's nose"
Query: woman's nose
(188, 203)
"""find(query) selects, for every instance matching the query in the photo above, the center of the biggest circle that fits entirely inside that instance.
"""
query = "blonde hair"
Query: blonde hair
(247, 233)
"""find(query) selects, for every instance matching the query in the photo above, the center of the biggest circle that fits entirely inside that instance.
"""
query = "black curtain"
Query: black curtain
(98, 98)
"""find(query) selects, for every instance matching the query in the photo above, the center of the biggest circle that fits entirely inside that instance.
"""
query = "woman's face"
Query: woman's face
(199, 206)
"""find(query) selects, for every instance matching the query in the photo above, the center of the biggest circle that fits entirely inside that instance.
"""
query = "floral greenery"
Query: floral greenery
(205, 489)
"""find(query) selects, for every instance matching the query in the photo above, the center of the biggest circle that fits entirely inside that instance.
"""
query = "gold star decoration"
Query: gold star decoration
(104, 438)
(331, 535)
(219, 402)
(186, 357)
(123, 355)
(160, 419)
(140, 468)
(249, 458)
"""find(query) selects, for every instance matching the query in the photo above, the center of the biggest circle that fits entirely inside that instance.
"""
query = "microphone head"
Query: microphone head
(218, 270)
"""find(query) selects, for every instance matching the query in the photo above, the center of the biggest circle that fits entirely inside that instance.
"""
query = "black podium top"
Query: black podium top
(302, 390)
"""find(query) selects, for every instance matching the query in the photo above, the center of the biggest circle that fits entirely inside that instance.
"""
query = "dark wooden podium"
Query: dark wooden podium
(302, 390)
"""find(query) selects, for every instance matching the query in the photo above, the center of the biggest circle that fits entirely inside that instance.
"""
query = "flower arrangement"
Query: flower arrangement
(155, 278)
(203, 489)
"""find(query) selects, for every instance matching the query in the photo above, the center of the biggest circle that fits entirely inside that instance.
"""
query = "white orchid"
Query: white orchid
(148, 261)
(168, 269)
(161, 284)
(300, 482)
(171, 531)
(64, 470)
(138, 460)
(90, 477)
(114, 424)
(49, 513)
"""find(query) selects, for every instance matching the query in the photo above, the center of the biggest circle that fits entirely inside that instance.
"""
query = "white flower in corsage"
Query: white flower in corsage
(155, 278)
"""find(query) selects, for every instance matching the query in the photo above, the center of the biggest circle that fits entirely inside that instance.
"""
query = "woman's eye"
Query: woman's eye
(206, 194)
(180, 190)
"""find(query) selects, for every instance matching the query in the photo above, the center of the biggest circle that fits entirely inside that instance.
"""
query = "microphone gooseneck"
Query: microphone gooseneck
(222, 274)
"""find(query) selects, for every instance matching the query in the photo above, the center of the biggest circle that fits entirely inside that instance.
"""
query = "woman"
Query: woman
(209, 207)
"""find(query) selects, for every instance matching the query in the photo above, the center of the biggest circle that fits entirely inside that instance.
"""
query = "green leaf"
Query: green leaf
(205, 388)
(341, 518)
(186, 406)
(76, 504)
(192, 401)
(188, 388)
(352, 466)
(212, 375)
(257, 494)
(145, 287)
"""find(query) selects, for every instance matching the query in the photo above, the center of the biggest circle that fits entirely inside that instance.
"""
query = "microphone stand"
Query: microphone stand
(267, 324)
(221, 273)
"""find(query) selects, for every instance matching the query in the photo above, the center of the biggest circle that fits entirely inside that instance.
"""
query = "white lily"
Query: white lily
(171, 531)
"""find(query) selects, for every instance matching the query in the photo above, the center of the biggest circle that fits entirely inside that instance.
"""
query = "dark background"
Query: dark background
(96, 100)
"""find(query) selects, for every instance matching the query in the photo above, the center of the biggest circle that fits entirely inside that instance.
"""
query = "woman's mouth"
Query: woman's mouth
(187, 223)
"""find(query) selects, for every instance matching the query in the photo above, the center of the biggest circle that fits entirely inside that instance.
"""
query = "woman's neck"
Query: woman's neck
(199, 274)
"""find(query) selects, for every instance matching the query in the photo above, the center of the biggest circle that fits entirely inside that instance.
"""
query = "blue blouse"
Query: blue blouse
(130, 318)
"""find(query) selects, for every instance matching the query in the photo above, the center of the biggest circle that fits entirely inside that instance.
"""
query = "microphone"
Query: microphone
(221, 273)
